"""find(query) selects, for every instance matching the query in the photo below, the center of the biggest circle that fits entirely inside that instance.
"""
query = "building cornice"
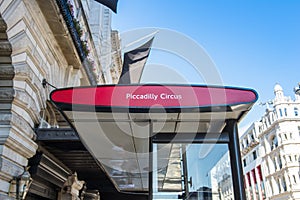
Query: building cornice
(276, 122)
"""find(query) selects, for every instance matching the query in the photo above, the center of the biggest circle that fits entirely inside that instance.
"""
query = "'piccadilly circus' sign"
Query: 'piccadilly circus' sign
(151, 96)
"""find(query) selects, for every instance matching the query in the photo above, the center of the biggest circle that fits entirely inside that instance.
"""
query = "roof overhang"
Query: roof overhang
(115, 122)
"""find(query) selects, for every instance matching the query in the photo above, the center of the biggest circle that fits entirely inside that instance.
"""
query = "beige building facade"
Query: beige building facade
(43, 44)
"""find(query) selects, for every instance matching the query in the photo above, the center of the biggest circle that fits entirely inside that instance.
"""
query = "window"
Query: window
(254, 155)
(275, 114)
(285, 111)
(280, 163)
(263, 190)
(251, 136)
(272, 117)
(284, 185)
(245, 163)
(275, 165)
(295, 180)
(271, 187)
(296, 111)
(274, 143)
(280, 112)
(279, 183)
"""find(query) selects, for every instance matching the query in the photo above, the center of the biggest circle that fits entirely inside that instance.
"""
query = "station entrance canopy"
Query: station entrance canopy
(119, 124)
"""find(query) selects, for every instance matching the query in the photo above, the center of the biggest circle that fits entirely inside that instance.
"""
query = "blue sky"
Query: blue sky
(253, 43)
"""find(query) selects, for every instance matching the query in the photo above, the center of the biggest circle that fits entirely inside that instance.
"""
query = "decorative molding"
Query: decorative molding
(5, 48)
(21, 144)
(6, 72)
(20, 123)
(10, 168)
(42, 189)
(48, 169)
(6, 95)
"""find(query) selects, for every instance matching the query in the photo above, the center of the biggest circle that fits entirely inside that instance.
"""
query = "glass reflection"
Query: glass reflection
(192, 172)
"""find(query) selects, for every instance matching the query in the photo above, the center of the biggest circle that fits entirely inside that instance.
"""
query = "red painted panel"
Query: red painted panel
(146, 96)
(249, 180)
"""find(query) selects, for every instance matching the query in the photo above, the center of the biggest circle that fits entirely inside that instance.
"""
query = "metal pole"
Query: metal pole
(185, 172)
(235, 160)
(150, 174)
(17, 189)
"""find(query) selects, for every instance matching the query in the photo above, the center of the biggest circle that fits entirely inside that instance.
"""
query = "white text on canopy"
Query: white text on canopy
(151, 96)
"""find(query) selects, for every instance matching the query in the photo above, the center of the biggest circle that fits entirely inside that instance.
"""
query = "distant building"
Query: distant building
(106, 41)
(203, 193)
(270, 151)
(116, 68)
(255, 188)
(221, 179)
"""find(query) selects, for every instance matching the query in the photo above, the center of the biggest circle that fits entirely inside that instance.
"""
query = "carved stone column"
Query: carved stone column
(71, 188)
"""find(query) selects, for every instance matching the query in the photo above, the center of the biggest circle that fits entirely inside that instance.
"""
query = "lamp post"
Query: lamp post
(23, 182)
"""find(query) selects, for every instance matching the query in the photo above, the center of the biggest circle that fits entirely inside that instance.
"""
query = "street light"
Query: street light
(22, 184)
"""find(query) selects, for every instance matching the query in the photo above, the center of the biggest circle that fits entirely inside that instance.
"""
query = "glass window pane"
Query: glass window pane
(192, 171)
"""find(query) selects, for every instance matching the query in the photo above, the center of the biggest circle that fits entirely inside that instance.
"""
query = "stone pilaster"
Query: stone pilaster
(6, 98)
(16, 134)
(6, 71)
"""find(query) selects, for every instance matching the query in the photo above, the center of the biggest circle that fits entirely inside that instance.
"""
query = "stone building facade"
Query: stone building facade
(116, 68)
(270, 150)
(252, 161)
(221, 179)
(42, 44)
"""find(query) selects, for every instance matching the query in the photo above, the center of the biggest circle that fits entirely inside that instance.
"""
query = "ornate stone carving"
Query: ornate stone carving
(71, 188)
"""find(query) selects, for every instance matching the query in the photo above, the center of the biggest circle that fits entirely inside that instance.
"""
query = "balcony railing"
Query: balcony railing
(69, 19)
(80, 45)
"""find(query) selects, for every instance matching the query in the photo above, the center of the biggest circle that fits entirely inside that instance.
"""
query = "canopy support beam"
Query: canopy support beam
(191, 138)
(235, 159)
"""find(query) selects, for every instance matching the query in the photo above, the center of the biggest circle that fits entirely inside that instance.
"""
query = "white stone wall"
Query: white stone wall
(279, 141)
